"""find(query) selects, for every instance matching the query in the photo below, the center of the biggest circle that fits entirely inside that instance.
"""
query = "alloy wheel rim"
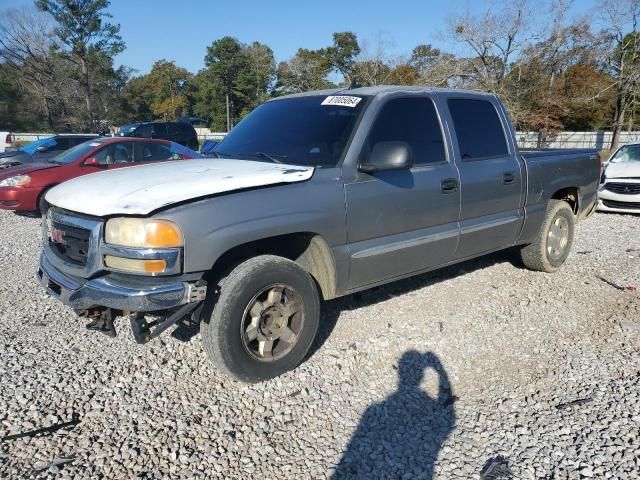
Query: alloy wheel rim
(272, 323)
(558, 238)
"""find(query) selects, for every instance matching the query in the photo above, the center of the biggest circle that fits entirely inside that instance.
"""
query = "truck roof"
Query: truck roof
(378, 89)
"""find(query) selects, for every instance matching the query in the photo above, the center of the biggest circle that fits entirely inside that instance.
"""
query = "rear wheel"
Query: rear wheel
(552, 245)
(264, 320)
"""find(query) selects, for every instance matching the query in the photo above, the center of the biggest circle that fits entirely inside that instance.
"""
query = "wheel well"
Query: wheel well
(569, 195)
(42, 194)
(308, 250)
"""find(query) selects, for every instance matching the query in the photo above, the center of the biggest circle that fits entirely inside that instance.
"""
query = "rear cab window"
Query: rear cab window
(478, 129)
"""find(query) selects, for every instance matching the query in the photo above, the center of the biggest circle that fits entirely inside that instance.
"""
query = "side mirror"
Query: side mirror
(42, 149)
(388, 156)
(92, 162)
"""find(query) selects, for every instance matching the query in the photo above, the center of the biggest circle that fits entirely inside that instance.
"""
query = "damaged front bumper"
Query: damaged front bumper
(117, 291)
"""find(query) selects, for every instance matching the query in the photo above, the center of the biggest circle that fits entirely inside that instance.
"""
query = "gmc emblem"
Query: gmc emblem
(57, 236)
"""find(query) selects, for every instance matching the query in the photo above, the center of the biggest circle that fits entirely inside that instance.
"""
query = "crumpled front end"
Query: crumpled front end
(72, 270)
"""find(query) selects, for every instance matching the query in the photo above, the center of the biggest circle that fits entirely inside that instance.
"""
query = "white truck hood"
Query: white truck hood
(140, 190)
(623, 169)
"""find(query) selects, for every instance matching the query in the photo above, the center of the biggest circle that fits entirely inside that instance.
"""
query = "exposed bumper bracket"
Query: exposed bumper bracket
(144, 331)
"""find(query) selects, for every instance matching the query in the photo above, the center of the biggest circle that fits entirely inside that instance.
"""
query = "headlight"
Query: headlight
(16, 181)
(143, 233)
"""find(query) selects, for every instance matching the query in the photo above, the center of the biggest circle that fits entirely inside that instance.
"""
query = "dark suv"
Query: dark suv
(178, 132)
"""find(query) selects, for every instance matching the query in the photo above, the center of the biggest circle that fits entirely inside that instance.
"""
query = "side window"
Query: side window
(412, 120)
(478, 128)
(160, 130)
(175, 131)
(115, 154)
(144, 131)
(154, 152)
(188, 131)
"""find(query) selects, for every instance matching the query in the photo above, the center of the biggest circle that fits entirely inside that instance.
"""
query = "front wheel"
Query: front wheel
(552, 245)
(264, 320)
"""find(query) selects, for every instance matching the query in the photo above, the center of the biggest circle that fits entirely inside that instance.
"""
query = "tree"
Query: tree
(82, 29)
(623, 55)
(342, 54)
(494, 40)
(307, 70)
(170, 90)
(535, 85)
(225, 61)
(26, 47)
(375, 64)
(10, 98)
(590, 98)
(259, 78)
(435, 68)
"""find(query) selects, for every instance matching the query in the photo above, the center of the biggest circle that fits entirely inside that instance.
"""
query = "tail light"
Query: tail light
(9, 139)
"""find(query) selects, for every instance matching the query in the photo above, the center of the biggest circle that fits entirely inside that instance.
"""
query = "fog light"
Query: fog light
(135, 266)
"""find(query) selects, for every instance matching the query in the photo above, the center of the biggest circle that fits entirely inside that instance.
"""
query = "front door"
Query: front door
(400, 222)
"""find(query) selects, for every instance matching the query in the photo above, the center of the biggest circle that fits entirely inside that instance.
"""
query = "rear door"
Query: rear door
(403, 221)
(491, 174)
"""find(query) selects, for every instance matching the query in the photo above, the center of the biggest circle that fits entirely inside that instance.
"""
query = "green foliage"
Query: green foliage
(237, 77)
(567, 77)
(81, 25)
(86, 39)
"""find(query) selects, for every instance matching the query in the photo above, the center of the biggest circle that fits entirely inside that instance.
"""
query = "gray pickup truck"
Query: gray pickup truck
(310, 197)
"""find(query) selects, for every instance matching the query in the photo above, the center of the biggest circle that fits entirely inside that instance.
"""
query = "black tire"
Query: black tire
(223, 331)
(541, 254)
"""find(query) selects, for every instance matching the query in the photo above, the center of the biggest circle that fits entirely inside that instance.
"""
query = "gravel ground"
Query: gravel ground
(481, 370)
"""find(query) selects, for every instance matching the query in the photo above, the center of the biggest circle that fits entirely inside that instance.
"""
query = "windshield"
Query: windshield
(31, 148)
(310, 131)
(627, 153)
(73, 154)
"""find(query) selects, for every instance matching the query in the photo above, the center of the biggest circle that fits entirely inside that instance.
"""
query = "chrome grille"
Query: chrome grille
(69, 243)
(72, 242)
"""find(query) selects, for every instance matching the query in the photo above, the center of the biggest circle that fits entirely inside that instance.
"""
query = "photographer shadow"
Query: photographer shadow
(402, 436)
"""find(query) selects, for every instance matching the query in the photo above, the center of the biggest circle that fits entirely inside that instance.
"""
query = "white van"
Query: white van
(6, 141)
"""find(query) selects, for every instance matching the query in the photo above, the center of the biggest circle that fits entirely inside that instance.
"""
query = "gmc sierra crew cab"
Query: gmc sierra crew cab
(312, 196)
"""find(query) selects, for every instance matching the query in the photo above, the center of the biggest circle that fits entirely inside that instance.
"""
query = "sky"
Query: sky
(182, 30)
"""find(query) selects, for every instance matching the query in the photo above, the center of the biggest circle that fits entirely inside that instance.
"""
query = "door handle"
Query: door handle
(449, 185)
(508, 177)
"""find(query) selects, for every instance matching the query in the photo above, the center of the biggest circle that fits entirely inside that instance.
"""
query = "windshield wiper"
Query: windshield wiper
(266, 156)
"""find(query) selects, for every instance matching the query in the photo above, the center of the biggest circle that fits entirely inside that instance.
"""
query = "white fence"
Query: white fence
(598, 140)
(32, 137)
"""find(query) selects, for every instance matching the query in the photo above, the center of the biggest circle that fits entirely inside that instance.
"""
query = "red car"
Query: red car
(22, 187)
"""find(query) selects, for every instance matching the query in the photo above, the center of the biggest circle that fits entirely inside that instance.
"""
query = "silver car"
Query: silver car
(620, 182)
